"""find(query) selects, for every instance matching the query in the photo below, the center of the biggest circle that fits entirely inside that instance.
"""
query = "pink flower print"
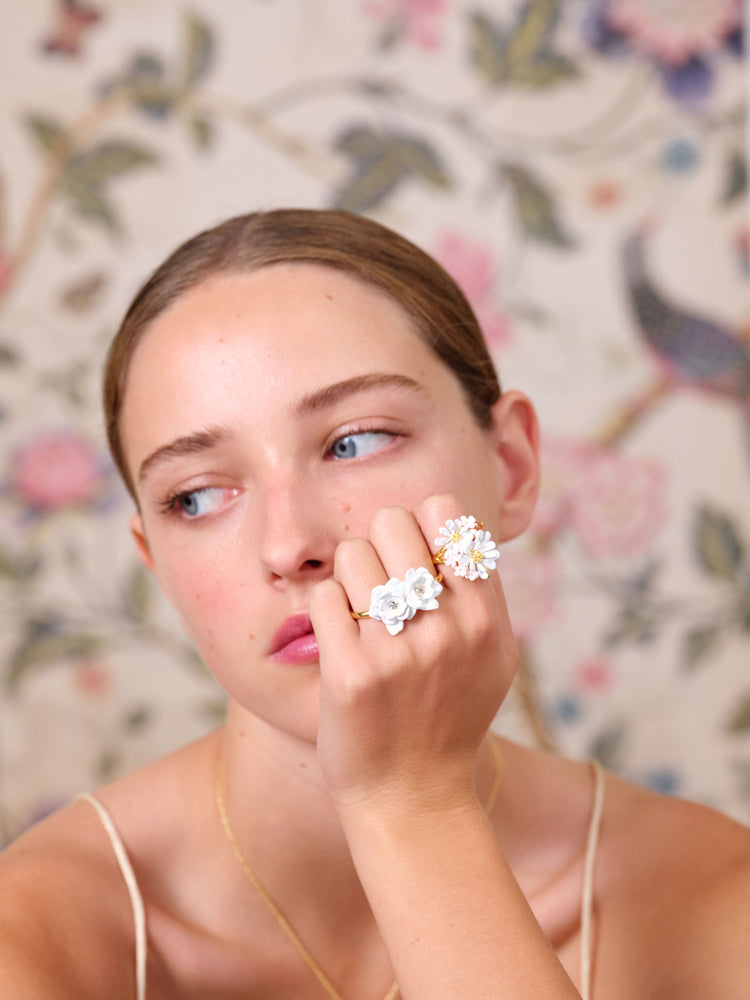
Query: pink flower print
(675, 30)
(604, 194)
(683, 39)
(619, 504)
(530, 583)
(563, 464)
(594, 674)
(415, 20)
(57, 469)
(91, 678)
(73, 20)
(474, 269)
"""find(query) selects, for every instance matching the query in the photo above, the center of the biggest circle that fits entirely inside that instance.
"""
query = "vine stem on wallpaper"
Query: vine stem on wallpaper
(458, 116)
(258, 117)
(69, 142)
(602, 137)
(320, 166)
(625, 420)
(638, 82)
(75, 137)
(527, 690)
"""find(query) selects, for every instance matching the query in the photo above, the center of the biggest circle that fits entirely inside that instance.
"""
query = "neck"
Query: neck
(287, 841)
(283, 819)
(285, 822)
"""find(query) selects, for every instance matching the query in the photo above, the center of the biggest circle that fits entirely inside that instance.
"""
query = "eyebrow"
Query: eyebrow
(319, 399)
(189, 444)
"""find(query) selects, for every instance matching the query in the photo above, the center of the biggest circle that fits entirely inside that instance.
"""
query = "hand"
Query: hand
(402, 717)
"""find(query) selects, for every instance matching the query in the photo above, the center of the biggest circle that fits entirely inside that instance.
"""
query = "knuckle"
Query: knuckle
(386, 517)
(350, 552)
(327, 602)
(440, 507)
(352, 688)
(322, 592)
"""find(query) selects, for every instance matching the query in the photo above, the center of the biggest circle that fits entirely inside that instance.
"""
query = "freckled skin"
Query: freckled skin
(253, 565)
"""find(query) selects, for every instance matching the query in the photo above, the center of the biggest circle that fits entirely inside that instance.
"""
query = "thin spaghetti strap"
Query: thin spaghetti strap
(587, 896)
(139, 916)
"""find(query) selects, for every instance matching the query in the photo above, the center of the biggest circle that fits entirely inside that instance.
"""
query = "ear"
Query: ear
(515, 433)
(141, 542)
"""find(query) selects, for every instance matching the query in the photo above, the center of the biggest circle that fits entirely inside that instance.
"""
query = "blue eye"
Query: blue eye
(357, 445)
(195, 503)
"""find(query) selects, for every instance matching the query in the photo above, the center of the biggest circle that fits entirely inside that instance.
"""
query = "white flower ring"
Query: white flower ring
(467, 548)
(397, 601)
(388, 605)
(463, 544)
(422, 589)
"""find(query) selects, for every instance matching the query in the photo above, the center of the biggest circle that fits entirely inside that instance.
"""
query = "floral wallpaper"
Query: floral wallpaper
(580, 167)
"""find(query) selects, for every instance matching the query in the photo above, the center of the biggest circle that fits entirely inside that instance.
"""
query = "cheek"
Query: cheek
(423, 479)
(205, 594)
(471, 470)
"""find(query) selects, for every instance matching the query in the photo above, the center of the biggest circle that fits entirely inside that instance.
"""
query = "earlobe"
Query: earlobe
(141, 542)
(516, 440)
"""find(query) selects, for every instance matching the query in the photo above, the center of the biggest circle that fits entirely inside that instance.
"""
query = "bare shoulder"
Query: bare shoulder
(674, 895)
(67, 926)
(64, 927)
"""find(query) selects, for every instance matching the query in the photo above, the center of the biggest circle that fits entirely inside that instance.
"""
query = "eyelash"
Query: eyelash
(354, 431)
(170, 506)
(170, 503)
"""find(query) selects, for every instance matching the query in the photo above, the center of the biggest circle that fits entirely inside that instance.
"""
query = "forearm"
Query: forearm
(451, 913)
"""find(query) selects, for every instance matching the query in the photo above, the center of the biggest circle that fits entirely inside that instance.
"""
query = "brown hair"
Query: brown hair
(365, 249)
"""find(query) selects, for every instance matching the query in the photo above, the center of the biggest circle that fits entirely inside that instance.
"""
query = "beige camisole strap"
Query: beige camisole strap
(587, 895)
(136, 900)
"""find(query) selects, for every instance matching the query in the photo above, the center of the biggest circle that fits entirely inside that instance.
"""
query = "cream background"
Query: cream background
(96, 677)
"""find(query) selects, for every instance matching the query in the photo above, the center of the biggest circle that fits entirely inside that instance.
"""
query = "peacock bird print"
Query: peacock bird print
(690, 349)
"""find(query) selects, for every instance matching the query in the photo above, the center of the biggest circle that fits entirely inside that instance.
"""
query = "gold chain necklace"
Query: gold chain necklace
(316, 970)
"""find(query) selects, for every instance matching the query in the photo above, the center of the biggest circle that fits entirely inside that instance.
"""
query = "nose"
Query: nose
(297, 534)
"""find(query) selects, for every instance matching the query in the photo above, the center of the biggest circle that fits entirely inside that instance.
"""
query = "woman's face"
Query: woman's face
(267, 417)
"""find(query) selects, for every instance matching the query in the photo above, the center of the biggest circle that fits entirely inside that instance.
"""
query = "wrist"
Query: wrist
(464, 785)
(390, 816)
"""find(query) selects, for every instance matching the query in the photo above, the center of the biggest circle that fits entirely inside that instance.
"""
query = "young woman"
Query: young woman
(322, 462)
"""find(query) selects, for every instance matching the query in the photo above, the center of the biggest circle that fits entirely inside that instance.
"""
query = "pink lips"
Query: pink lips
(295, 642)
